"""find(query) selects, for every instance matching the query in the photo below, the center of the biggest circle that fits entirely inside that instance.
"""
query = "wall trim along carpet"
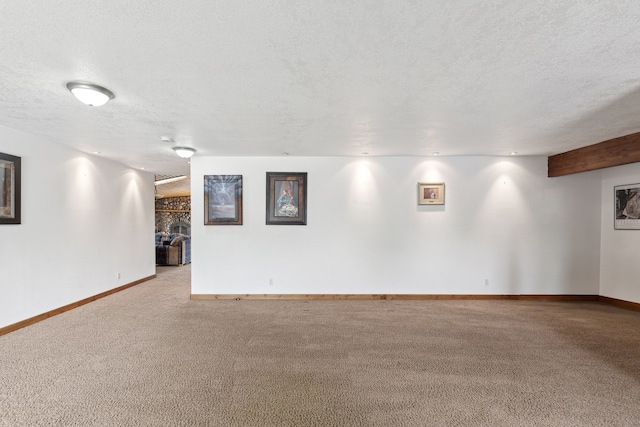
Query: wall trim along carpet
(369, 297)
(60, 310)
(620, 303)
(421, 297)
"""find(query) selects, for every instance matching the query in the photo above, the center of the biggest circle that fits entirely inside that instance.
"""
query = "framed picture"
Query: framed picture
(286, 198)
(627, 206)
(223, 200)
(430, 193)
(10, 182)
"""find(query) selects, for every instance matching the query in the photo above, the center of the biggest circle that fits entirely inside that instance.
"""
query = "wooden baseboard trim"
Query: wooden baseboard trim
(620, 303)
(55, 312)
(373, 297)
(543, 297)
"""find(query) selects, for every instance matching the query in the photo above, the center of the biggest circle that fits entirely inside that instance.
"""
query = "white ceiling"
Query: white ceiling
(177, 188)
(330, 78)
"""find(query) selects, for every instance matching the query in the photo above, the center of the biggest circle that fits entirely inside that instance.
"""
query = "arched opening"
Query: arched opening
(180, 227)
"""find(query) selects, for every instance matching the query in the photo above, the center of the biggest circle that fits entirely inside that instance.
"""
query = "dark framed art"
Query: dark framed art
(286, 198)
(223, 200)
(627, 206)
(10, 189)
(431, 194)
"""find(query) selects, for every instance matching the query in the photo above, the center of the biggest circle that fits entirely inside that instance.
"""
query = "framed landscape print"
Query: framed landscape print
(10, 191)
(430, 193)
(223, 200)
(627, 207)
(286, 198)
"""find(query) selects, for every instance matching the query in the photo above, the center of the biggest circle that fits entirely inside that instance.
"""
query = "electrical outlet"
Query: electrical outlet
(118, 275)
(270, 282)
(486, 282)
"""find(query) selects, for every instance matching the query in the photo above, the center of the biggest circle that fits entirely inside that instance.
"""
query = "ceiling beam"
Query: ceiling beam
(614, 152)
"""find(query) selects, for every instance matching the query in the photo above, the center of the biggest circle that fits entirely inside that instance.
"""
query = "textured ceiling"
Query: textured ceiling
(309, 78)
(179, 187)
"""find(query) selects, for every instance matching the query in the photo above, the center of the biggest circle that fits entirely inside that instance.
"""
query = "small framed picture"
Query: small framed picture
(627, 207)
(430, 193)
(223, 200)
(286, 198)
(10, 191)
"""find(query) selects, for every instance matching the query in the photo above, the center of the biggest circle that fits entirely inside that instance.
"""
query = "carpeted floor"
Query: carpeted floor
(148, 356)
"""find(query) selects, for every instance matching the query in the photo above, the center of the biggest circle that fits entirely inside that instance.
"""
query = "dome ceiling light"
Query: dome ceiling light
(184, 152)
(90, 94)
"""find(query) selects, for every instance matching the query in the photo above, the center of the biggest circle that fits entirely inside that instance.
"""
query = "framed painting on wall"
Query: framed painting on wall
(286, 198)
(10, 189)
(430, 193)
(223, 200)
(627, 207)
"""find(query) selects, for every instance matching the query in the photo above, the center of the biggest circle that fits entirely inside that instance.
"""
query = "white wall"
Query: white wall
(620, 254)
(84, 220)
(505, 229)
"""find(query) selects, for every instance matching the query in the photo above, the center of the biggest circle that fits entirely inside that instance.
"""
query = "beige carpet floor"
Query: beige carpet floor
(148, 356)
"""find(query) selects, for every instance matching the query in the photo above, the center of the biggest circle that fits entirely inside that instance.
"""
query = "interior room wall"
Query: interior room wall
(505, 228)
(87, 227)
(620, 253)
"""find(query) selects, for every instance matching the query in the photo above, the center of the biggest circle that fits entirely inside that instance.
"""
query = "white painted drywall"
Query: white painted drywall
(84, 220)
(505, 228)
(620, 254)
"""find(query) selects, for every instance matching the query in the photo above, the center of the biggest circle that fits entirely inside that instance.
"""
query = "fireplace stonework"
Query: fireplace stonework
(174, 211)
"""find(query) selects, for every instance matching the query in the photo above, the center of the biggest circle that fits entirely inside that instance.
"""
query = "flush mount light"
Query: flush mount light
(184, 152)
(90, 94)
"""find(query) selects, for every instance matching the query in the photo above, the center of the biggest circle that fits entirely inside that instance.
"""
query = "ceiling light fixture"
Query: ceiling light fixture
(184, 152)
(513, 153)
(435, 153)
(90, 94)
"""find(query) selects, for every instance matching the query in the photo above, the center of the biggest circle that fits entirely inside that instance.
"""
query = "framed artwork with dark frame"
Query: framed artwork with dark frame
(223, 200)
(286, 198)
(627, 206)
(431, 193)
(10, 188)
